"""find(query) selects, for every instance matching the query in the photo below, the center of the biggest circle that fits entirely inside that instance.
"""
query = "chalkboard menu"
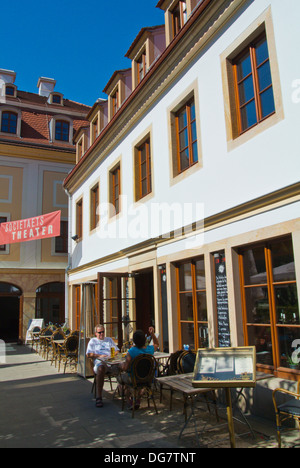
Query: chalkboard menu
(222, 301)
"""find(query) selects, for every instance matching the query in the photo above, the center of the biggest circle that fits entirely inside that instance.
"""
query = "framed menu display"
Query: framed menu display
(225, 367)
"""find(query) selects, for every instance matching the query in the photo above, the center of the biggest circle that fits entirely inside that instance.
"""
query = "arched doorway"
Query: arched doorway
(50, 303)
(10, 312)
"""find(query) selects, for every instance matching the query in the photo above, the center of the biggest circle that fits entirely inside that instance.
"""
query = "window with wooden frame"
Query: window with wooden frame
(61, 242)
(3, 219)
(95, 128)
(79, 219)
(115, 102)
(141, 64)
(56, 99)
(115, 189)
(179, 17)
(77, 294)
(270, 304)
(253, 84)
(192, 304)
(143, 169)
(62, 130)
(10, 91)
(94, 206)
(186, 136)
(80, 149)
(9, 122)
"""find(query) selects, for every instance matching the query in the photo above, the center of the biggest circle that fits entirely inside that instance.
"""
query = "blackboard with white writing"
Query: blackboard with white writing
(222, 302)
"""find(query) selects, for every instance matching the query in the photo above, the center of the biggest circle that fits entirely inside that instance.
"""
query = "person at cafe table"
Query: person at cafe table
(140, 347)
(99, 349)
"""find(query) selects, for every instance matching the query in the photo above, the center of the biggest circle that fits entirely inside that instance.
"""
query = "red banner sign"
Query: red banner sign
(40, 227)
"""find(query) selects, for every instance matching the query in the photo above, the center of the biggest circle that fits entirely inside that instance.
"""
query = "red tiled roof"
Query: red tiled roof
(35, 128)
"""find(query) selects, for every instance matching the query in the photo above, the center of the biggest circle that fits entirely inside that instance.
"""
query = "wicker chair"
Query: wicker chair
(35, 338)
(170, 368)
(186, 365)
(68, 352)
(287, 410)
(142, 374)
(186, 362)
(58, 335)
(45, 342)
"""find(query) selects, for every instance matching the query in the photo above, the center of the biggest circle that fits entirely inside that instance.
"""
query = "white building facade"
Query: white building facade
(185, 205)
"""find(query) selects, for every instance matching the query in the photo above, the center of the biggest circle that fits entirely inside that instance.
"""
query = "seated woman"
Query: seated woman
(140, 347)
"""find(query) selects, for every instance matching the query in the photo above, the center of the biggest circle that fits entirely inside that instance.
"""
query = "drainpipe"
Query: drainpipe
(69, 255)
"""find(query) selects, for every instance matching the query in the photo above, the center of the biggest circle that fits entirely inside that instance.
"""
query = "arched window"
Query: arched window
(9, 122)
(6, 288)
(50, 303)
(62, 130)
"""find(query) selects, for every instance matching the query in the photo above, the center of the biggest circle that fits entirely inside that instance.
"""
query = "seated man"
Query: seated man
(140, 347)
(99, 349)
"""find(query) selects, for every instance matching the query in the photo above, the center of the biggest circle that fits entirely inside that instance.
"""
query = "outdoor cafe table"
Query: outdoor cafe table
(121, 357)
(183, 383)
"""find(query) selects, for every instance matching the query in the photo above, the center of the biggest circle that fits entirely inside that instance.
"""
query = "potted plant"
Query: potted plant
(291, 363)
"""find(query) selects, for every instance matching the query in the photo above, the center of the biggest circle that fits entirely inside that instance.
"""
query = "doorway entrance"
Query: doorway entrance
(144, 286)
(10, 312)
(126, 303)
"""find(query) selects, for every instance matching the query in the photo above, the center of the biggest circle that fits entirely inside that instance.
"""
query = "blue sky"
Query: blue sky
(78, 43)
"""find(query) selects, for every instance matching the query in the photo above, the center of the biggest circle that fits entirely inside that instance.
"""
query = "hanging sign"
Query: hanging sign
(40, 227)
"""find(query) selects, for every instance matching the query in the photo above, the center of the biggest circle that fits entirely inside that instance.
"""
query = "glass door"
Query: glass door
(192, 305)
(117, 306)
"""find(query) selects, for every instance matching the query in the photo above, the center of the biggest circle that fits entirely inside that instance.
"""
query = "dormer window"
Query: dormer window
(115, 102)
(179, 17)
(144, 51)
(56, 99)
(118, 89)
(62, 130)
(177, 14)
(141, 66)
(81, 140)
(95, 128)
(10, 91)
(9, 122)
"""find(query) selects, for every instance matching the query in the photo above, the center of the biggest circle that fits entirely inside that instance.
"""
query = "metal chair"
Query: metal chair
(142, 378)
(286, 411)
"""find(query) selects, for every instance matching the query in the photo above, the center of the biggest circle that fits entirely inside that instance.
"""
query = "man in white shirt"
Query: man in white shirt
(99, 349)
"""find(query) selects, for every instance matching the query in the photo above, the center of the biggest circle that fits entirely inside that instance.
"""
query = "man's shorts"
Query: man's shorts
(110, 369)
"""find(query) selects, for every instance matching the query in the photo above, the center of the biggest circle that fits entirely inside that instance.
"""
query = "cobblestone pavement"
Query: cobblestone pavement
(41, 408)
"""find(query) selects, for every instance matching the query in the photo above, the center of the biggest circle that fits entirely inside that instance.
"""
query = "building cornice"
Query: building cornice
(285, 196)
(38, 152)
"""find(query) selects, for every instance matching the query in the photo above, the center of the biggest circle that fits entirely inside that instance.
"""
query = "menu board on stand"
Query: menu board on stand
(224, 340)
